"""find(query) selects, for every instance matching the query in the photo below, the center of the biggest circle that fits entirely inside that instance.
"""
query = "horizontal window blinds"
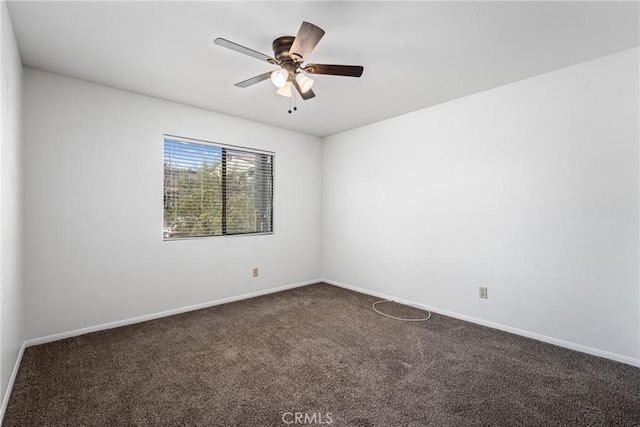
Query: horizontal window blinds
(216, 190)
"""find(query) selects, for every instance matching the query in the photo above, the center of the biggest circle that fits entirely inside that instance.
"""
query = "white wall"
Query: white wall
(11, 292)
(93, 208)
(531, 189)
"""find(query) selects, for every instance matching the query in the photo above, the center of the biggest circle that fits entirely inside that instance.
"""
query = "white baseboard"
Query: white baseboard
(125, 322)
(12, 380)
(550, 340)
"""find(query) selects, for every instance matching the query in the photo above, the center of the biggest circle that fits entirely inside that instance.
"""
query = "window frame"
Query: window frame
(224, 148)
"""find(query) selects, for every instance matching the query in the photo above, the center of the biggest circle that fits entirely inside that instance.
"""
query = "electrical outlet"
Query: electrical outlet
(483, 292)
(255, 272)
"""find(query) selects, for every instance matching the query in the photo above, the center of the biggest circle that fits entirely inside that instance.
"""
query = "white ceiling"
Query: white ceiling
(415, 54)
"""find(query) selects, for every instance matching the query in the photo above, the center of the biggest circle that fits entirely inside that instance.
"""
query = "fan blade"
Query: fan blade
(254, 80)
(305, 95)
(238, 48)
(308, 37)
(335, 70)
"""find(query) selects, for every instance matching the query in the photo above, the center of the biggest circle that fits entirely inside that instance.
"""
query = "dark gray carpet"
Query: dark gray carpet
(320, 351)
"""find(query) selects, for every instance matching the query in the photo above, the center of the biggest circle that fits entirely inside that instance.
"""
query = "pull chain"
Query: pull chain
(292, 98)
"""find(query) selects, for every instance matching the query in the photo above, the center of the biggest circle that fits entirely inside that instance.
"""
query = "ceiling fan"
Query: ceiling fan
(289, 53)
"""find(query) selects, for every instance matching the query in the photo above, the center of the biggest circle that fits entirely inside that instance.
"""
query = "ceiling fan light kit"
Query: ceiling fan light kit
(289, 53)
(285, 90)
(305, 82)
(280, 78)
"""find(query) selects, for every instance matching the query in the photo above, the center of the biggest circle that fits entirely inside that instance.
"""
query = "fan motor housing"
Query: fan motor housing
(282, 46)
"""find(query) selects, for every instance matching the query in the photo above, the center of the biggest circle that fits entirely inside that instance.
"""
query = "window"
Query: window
(216, 190)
